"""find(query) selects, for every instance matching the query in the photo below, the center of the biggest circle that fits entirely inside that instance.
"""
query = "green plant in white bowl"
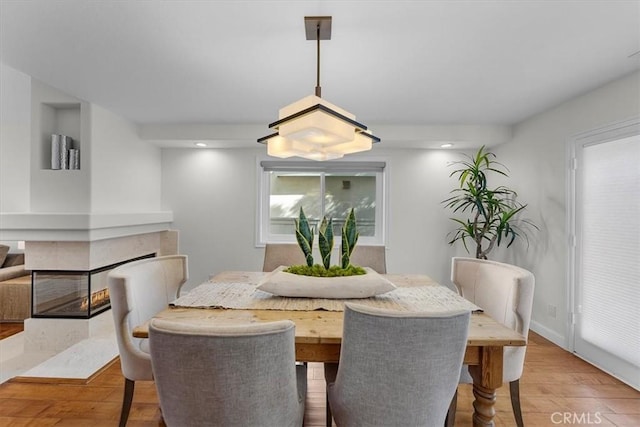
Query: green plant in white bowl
(304, 236)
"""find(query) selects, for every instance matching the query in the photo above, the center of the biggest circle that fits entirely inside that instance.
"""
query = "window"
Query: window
(322, 189)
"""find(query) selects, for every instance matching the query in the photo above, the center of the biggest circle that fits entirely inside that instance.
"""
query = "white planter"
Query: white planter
(293, 285)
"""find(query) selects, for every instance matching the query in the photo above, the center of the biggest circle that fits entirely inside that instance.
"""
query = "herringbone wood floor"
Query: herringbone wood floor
(557, 388)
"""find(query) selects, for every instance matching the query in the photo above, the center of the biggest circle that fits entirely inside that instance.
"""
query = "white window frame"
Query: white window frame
(263, 185)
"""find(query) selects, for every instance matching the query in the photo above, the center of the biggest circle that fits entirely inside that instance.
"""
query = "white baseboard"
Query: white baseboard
(549, 334)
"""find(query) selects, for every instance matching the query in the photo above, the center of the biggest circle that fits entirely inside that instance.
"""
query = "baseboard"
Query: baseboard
(549, 334)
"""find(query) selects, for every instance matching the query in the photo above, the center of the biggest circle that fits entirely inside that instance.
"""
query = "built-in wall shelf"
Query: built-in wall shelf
(64, 121)
(56, 113)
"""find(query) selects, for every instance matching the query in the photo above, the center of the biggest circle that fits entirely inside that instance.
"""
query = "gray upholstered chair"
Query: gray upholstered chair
(396, 368)
(277, 254)
(208, 374)
(504, 292)
(138, 291)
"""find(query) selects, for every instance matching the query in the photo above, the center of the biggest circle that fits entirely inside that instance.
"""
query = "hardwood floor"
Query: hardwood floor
(10, 328)
(555, 385)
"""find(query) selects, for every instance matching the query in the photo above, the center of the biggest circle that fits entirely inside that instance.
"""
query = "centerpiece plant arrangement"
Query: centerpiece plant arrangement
(492, 212)
(305, 236)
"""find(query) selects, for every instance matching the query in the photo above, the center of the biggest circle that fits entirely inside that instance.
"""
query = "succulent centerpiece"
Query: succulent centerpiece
(325, 280)
(305, 236)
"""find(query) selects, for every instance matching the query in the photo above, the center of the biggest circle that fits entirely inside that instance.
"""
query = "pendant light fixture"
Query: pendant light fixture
(313, 128)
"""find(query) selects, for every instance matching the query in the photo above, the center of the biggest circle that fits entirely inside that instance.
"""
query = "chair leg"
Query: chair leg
(330, 373)
(126, 401)
(514, 391)
(450, 420)
(329, 416)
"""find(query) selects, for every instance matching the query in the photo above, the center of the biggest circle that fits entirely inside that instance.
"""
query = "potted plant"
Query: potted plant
(305, 236)
(325, 280)
(492, 212)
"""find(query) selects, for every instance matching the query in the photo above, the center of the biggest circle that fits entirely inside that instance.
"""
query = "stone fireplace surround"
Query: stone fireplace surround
(75, 348)
(58, 334)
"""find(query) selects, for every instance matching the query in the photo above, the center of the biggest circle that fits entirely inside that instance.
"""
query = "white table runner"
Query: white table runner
(430, 298)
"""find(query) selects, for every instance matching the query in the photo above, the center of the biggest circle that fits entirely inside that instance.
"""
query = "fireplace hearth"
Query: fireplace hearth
(72, 294)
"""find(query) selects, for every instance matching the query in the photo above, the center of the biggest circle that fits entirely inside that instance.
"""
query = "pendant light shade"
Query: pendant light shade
(313, 128)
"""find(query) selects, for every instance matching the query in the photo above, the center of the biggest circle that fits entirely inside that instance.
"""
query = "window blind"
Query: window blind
(328, 167)
(610, 249)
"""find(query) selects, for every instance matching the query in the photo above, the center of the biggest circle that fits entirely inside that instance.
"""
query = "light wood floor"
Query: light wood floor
(554, 381)
(9, 328)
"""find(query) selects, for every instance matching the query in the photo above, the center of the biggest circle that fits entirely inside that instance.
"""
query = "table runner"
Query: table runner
(431, 298)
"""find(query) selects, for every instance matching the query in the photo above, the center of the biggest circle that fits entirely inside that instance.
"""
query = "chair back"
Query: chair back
(373, 257)
(209, 374)
(504, 292)
(397, 368)
(138, 291)
(277, 254)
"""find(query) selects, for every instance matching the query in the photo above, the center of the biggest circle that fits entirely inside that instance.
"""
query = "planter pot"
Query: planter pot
(294, 285)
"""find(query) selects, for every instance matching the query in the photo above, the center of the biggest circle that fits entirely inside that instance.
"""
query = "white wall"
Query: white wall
(15, 139)
(125, 170)
(117, 189)
(537, 158)
(212, 193)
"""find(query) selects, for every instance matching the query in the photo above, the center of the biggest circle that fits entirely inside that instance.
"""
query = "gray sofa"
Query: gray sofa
(13, 266)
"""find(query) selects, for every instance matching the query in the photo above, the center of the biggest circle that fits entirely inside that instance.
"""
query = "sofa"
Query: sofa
(15, 295)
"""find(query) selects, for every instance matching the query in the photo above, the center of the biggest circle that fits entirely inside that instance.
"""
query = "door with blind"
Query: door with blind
(606, 253)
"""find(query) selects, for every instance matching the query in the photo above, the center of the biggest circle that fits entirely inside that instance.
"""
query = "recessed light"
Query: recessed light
(446, 145)
(200, 144)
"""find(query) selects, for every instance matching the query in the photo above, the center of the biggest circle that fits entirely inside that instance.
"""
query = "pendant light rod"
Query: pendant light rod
(318, 89)
(318, 28)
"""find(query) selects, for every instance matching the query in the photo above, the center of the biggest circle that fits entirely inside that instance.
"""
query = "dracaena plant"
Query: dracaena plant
(349, 238)
(304, 236)
(492, 213)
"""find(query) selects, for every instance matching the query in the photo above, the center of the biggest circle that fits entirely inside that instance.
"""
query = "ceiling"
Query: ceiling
(445, 64)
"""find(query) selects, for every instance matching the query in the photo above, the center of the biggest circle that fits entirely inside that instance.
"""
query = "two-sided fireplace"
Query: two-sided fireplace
(72, 294)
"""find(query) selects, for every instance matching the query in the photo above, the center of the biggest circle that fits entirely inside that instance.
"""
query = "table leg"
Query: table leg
(487, 377)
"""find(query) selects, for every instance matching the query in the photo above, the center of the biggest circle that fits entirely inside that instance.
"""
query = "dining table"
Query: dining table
(318, 332)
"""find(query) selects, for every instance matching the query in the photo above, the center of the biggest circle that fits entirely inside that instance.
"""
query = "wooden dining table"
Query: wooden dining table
(318, 335)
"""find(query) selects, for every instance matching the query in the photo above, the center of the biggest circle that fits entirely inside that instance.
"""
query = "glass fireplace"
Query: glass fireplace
(72, 294)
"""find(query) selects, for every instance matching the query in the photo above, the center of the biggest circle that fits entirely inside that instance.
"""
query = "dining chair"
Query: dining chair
(277, 254)
(396, 368)
(139, 290)
(209, 374)
(371, 256)
(504, 292)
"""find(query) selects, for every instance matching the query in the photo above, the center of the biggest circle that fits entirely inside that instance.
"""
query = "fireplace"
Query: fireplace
(72, 294)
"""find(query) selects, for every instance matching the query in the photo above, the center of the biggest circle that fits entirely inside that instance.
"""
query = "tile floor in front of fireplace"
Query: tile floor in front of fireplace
(77, 362)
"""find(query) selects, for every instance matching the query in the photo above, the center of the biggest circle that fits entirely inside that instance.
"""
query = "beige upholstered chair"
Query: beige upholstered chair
(396, 368)
(208, 374)
(373, 257)
(504, 292)
(138, 291)
(277, 254)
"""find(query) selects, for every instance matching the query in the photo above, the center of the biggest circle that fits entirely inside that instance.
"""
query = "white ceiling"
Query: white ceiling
(420, 63)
